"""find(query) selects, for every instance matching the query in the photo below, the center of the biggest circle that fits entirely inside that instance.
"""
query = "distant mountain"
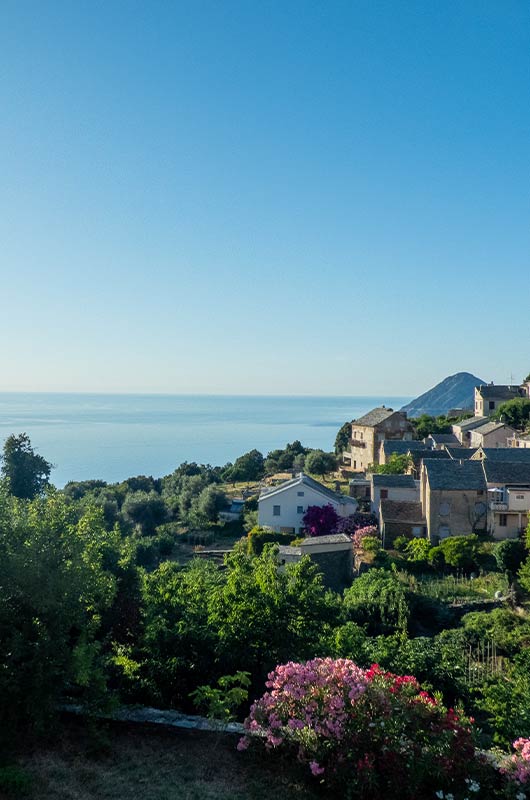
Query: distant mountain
(456, 391)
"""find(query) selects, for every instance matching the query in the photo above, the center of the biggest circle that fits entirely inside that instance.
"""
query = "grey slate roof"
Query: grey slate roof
(506, 472)
(420, 456)
(333, 538)
(460, 452)
(471, 423)
(402, 446)
(501, 392)
(394, 481)
(395, 511)
(455, 475)
(302, 478)
(517, 455)
(444, 438)
(374, 417)
(490, 427)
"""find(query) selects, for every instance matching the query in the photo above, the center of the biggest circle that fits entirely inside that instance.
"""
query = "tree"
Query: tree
(396, 465)
(509, 556)
(55, 587)
(460, 551)
(248, 467)
(318, 462)
(146, 509)
(378, 599)
(27, 473)
(209, 503)
(320, 520)
(342, 438)
(514, 412)
(425, 425)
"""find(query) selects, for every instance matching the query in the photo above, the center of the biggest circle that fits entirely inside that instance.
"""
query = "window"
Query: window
(299, 509)
(367, 492)
(300, 494)
(519, 496)
(384, 494)
(445, 508)
(276, 511)
(480, 492)
(355, 465)
(503, 520)
(491, 404)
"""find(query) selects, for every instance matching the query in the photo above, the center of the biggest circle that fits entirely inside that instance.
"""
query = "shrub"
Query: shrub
(362, 732)
(258, 537)
(370, 531)
(418, 550)
(379, 600)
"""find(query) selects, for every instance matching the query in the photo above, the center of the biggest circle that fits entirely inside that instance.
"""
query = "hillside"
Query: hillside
(455, 391)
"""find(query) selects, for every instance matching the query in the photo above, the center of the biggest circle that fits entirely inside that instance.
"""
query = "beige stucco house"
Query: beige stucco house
(488, 398)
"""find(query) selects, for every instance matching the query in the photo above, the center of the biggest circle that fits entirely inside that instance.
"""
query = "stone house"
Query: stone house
(399, 518)
(490, 434)
(462, 429)
(393, 487)
(438, 441)
(370, 430)
(281, 508)
(453, 498)
(488, 398)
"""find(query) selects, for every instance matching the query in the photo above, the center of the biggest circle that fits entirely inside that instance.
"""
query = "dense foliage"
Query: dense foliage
(94, 608)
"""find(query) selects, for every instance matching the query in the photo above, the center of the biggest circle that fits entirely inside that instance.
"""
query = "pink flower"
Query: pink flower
(243, 743)
(315, 768)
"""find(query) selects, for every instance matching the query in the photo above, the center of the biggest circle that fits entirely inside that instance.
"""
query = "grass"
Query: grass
(451, 588)
(151, 764)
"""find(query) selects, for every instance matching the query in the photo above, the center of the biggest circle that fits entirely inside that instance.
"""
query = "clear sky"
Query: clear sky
(263, 197)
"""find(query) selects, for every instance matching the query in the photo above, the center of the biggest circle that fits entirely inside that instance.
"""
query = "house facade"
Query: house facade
(462, 430)
(489, 397)
(282, 508)
(453, 498)
(508, 497)
(369, 431)
(400, 488)
(491, 434)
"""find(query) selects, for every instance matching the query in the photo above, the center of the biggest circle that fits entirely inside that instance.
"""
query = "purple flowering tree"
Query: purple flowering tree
(320, 520)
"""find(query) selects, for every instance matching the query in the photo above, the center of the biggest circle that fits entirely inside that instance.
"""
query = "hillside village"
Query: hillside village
(473, 479)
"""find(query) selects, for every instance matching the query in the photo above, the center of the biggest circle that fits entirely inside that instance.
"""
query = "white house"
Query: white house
(282, 507)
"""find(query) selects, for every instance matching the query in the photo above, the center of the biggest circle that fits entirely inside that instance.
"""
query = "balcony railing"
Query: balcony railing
(499, 506)
(357, 443)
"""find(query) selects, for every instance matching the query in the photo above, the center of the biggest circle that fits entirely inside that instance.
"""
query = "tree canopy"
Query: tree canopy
(26, 472)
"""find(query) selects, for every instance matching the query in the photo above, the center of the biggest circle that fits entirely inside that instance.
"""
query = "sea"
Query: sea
(116, 436)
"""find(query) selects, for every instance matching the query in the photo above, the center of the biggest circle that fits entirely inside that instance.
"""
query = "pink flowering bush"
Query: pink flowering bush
(362, 731)
(370, 531)
(517, 766)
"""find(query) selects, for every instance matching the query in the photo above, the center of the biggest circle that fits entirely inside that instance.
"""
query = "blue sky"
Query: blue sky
(263, 197)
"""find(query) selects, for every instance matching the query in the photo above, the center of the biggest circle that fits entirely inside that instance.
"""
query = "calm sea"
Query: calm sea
(113, 437)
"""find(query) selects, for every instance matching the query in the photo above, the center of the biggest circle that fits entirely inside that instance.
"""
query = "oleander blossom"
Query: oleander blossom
(367, 727)
(517, 765)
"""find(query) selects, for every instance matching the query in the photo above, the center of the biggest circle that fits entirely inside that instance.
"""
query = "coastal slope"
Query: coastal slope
(455, 391)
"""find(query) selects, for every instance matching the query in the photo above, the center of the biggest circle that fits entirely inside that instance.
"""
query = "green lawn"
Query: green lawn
(152, 764)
